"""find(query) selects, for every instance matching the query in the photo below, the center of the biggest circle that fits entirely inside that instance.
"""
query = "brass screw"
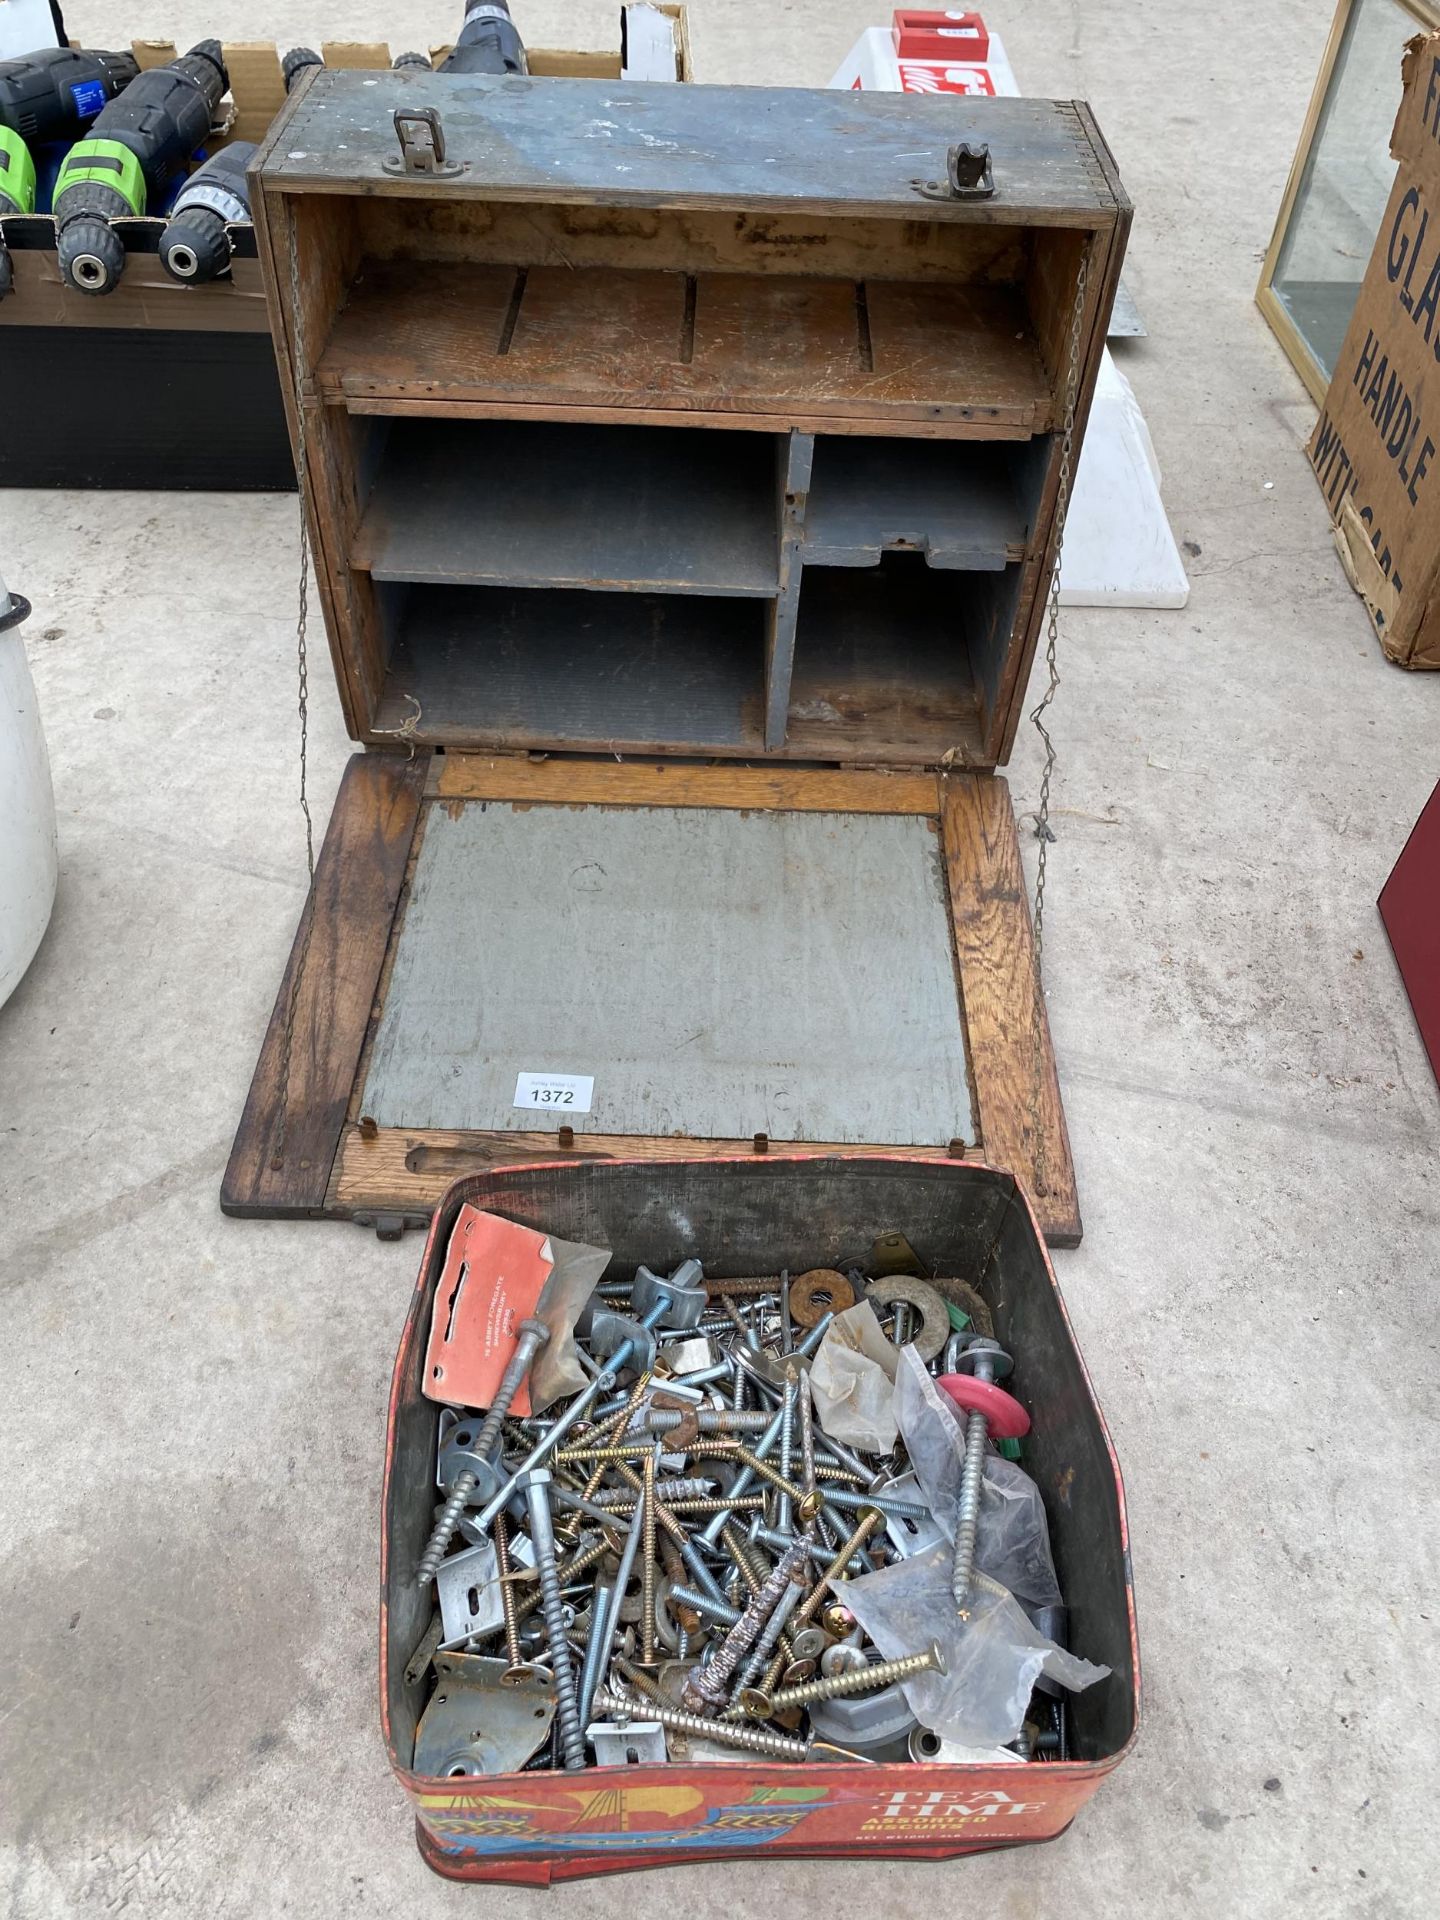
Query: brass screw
(647, 1571)
(869, 1520)
(507, 1592)
(861, 1680)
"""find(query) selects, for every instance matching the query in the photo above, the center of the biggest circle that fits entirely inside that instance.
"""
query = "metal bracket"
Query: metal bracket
(423, 150)
(968, 175)
(482, 1717)
(908, 1533)
(638, 1743)
(468, 1589)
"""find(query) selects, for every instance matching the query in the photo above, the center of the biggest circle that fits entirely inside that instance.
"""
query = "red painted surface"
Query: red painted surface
(1006, 1418)
(960, 37)
(1410, 908)
(535, 1829)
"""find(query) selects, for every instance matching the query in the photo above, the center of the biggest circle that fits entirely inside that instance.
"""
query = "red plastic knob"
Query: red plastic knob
(1008, 1420)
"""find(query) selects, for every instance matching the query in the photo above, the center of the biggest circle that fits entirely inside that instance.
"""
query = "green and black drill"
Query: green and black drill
(132, 155)
(46, 99)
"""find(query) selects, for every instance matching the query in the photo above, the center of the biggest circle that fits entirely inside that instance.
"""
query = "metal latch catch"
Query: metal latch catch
(968, 175)
(422, 145)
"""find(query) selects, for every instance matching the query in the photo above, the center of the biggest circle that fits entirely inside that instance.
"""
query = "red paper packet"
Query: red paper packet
(494, 1273)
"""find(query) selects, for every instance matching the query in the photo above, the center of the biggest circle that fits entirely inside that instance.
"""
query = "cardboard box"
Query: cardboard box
(1374, 448)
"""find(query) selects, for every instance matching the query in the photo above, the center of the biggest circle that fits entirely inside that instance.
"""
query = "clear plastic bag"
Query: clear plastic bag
(851, 1381)
(570, 1283)
(1012, 1540)
(992, 1659)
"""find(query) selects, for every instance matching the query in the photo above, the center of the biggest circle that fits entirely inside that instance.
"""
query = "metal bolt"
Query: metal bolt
(988, 1361)
(643, 1682)
(728, 1504)
(774, 1627)
(808, 1468)
(819, 1593)
(705, 1686)
(884, 1674)
(752, 1739)
(647, 1568)
(507, 1594)
(536, 1488)
(711, 1534)
(762, 1470)
(784, 1516)
(707, 1419)
(887, 1503)
(597, 1652)
(666, 1490)
(683, 1596)
(532, 1336)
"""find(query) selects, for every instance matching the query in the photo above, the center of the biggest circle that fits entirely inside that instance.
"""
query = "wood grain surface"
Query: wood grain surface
(1012, 1061)
(357, 886)
(403, 1170)
(588, 141)
(749, 345)
(573, 783)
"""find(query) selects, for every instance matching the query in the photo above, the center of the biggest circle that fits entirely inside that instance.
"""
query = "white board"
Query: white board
(26, 26)
(28, 861)
(684, 971)
(1119, 550)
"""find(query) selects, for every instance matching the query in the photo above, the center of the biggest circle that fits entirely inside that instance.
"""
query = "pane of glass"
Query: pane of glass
(1347, 180)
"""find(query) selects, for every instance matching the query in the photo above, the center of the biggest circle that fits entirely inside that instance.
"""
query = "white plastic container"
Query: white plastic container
(28, 854)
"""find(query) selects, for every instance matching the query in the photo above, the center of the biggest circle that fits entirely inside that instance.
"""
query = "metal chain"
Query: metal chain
(1052, 631)
(1038, 1133)
(287, 1043)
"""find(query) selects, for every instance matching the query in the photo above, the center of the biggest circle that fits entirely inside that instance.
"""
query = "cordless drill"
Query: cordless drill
(137, 147)
(48, 97)
(195, 246)
(488, 42)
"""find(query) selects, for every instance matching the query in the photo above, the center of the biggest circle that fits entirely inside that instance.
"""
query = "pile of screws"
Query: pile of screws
(654, 1561)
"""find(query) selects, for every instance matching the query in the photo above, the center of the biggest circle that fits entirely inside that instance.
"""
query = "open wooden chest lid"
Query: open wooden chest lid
(683, 472)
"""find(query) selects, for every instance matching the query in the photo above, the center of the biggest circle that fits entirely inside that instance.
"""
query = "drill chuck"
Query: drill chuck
(297, 61)
(92, 255)
(195, 246)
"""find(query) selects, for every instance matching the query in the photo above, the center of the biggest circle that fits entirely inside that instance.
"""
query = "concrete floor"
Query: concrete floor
(193, 1416)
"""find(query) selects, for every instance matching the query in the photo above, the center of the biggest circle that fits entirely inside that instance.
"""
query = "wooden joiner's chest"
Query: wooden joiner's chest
(706, 442)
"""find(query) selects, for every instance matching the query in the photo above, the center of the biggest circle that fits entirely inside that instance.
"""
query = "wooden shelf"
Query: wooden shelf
(609, 508)
(882, 666)
(800, 352)
(955, 504)
(628, 671)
